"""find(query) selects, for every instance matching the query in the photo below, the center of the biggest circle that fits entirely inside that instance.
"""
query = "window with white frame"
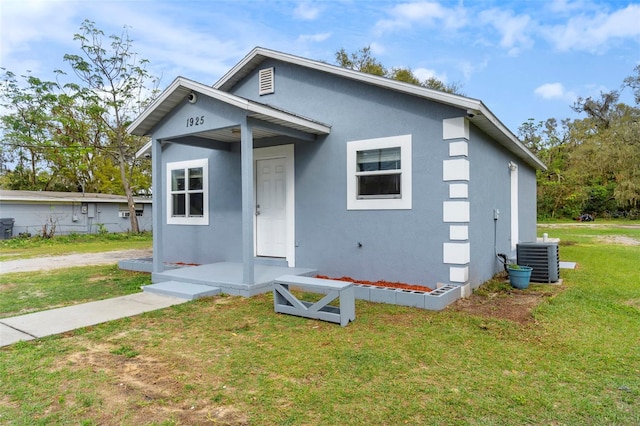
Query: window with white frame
(188, 193)
(379, 173)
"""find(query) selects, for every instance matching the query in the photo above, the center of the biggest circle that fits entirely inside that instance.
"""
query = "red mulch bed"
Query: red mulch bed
(380, 283)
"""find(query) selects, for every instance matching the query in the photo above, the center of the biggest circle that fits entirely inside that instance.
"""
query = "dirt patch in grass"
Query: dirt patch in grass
(7, 286)
(619, 239)
(634, 303)
(144, 389)
(500, 301)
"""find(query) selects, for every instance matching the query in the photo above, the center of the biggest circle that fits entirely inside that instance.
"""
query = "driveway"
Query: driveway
(70, 260)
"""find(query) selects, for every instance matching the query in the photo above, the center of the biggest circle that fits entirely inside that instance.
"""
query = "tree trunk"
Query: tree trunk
(135, 229)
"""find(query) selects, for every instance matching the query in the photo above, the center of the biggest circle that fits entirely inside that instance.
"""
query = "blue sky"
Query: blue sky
(524, 59)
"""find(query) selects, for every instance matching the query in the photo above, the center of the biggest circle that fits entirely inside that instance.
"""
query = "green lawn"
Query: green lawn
(24, 248)
(229, 360)
(22, 293)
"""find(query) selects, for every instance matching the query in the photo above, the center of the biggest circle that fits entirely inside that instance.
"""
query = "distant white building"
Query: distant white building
(70, 212)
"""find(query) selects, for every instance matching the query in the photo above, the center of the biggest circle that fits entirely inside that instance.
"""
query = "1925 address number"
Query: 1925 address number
(195, 121)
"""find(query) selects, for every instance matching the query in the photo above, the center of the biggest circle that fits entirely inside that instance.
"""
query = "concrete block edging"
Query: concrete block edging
(435, 300)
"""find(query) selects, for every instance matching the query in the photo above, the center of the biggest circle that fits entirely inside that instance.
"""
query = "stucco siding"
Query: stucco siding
(446, 235)
(68, 217)
(221, 239)
(404, 245)
(528, 204)
(489, 189)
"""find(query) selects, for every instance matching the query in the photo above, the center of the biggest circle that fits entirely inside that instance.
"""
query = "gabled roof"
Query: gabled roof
(476, 111)
(181, 87)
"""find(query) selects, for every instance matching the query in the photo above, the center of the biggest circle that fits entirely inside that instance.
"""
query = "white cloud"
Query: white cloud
(470, 68)
(26, 21)
(377, 48)
(595, 33)
(304, 38)
(551, 91)
(306, 11)
(405, 15)
(514, 30)
(426, 73)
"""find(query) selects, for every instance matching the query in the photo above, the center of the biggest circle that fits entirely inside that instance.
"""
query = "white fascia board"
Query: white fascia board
(144, 150)
(473, 106)
(139, 128)
(436, 95)
(133, 127)
(486, 112)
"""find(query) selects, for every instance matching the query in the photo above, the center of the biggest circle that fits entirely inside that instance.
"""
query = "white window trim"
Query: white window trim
(204, 220)
(402, 203)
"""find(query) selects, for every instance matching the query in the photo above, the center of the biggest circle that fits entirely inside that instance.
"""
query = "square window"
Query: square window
(188, 198)
(379, 173)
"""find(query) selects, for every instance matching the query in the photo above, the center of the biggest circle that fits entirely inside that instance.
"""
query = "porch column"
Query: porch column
(246, 152)
(158, 208)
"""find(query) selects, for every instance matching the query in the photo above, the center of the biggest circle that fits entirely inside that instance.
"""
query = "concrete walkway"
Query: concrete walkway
(60, 320)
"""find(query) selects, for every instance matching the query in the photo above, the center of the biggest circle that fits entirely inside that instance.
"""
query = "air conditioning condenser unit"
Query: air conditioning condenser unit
(543, 257)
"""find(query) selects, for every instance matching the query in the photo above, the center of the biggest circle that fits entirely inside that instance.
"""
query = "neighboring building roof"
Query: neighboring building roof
(65, 197)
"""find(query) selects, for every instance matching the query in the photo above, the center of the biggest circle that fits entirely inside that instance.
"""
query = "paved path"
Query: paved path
(60, 320)
(70, 260)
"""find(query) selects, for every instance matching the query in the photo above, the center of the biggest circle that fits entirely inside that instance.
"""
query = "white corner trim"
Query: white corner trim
(458, 190)
(459, 274)
(455, 211)
(456, 253)
(459, 232)
(457, 169)
(455, 128)
(457, 149)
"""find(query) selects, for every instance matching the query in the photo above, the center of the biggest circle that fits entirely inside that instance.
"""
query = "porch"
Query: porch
(191, 282)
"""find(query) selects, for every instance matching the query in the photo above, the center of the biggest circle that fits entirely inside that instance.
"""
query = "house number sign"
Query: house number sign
(195, 121)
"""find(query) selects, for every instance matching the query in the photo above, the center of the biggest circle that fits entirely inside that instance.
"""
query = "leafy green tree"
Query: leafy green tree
(26, 129)
(116, 89)
(592, 161)
(364, 61)
(607, 146)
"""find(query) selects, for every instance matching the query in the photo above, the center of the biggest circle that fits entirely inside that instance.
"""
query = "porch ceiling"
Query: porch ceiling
(232, 134)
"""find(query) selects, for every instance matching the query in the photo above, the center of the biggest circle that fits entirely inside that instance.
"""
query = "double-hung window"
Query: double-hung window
(188, 195)
(379, 173)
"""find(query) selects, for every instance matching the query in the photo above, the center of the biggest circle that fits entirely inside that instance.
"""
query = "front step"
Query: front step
(181, 290)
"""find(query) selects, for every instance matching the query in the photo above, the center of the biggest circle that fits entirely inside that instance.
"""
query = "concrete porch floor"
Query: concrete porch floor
(226, 276)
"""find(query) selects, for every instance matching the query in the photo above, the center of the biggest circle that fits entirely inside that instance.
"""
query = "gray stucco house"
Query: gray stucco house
(71, 212)
(297, 163)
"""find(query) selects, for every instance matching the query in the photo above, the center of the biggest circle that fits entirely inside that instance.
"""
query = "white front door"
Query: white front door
(271, 207)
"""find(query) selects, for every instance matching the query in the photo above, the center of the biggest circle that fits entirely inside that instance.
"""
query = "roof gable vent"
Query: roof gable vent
(266, 81)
